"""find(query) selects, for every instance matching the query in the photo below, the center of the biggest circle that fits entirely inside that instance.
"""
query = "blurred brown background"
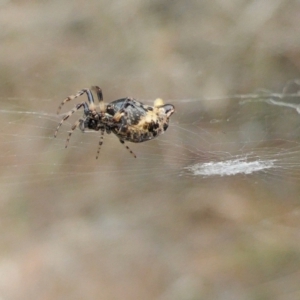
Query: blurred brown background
(118, 228)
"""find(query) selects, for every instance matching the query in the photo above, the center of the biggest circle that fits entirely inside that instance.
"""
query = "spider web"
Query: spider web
(208, 210)
(252, 137)
(248, 142)
(251, 134)
(255, 134)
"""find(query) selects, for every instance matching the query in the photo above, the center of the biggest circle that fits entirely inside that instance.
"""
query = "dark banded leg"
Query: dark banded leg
(72, 97)
(70, 113)
(98, 92)
(72, 130)
(122, 142)
(118, 115)
(100, 142)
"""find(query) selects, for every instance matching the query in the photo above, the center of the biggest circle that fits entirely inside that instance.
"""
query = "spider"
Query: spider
(129, 119)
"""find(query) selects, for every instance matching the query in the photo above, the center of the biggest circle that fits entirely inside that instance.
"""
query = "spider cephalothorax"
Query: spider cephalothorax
(129, 119)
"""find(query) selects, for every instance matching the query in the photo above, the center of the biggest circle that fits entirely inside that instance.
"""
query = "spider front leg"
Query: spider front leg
(79, 122)
(72, 97)
(70, 113)
(99, 93)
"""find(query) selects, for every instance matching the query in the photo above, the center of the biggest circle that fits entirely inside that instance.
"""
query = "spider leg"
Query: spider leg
(70, 113)
(72, 97)
(118, 115)
(127, 102)
(122, 125)
(98, 91)
(79, 122)
(122, 142)
(100, 142)
(124, 105)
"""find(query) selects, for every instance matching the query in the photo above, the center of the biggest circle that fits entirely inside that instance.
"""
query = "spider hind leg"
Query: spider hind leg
(131, 152)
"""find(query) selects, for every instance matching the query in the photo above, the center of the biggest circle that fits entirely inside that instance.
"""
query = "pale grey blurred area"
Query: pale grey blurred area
(73, 227)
